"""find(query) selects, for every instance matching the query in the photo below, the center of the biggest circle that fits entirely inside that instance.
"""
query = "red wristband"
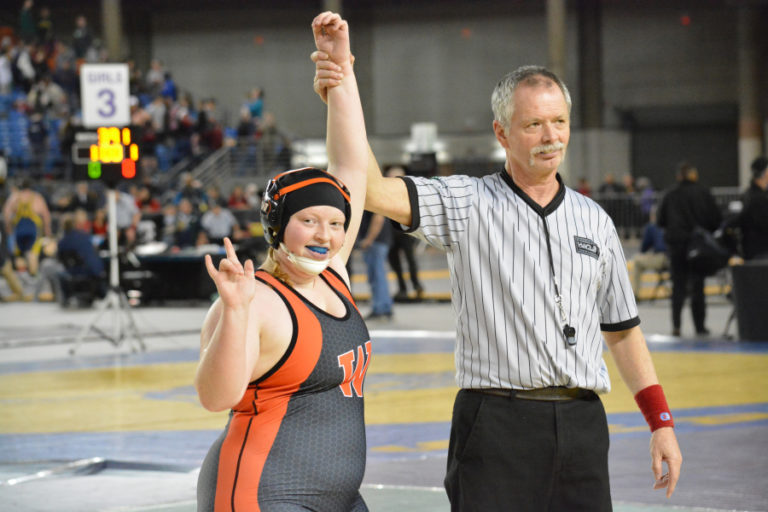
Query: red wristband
(654, 407)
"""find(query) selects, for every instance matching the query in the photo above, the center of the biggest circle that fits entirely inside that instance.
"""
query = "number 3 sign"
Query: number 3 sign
(104, 95)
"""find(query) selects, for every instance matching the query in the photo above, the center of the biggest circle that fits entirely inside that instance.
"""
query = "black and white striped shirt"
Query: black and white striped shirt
(509, 327)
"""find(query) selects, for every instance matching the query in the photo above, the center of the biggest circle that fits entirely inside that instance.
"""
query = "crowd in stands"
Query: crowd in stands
(40, 114)
(177, 220)
(40, 106)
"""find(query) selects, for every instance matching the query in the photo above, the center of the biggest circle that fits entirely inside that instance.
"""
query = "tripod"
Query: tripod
(115, 300)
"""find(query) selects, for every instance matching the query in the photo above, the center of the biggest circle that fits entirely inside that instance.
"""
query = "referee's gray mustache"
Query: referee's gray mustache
(547, 148)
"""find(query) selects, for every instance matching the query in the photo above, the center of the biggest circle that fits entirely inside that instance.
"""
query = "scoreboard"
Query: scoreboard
(106, 149)
(109, 154)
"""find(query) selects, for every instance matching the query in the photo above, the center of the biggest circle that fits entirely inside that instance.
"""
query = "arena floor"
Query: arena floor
(110, 429)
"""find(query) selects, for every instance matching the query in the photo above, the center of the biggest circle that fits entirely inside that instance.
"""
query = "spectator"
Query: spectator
(81, 38)
(40, 61)
(155, 77)
(157, 111)
(27, 24)
(610, 187)
(99, 224)
(237, 199)
(146, 202)
(45, 29)
(276, 145)
(218, 222)
(375, 238)
(187, 225)
(37, 133)
(256, 104)
(253, 195)
(652, 255)
(85, 262)
(169, 224)
(47, 97)
(403, 243)
(192, 191)
(127, 217)
(3, 174)
(6, 71)
(753, 218)
(65, 76)
(684, 207)
(213, 193)
(50, 267)
(647, 197)
(584, 188)
(83, 197)
(211, 133)
(23, 69)
(169, 89)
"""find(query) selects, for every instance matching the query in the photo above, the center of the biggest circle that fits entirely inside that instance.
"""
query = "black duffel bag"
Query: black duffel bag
(704, 253)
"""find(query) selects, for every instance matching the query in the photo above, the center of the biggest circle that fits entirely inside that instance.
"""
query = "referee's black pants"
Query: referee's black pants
(509, 454)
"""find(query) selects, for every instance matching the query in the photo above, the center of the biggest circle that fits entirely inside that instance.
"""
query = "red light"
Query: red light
(685, 20)
(128, 169)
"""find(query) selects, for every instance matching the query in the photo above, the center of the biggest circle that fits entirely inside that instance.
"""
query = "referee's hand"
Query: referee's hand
(664, 448)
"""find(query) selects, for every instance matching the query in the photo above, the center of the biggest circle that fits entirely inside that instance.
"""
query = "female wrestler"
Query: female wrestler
(284, 347)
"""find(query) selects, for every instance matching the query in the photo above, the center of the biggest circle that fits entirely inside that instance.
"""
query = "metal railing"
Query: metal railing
(630, 212)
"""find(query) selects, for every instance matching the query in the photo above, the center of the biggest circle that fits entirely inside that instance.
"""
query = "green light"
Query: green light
(94, 170)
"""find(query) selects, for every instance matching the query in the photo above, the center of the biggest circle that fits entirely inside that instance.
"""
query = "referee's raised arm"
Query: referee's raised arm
(387, 196)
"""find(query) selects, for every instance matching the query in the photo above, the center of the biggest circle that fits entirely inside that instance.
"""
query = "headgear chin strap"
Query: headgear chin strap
(294, 190)
(308, 265)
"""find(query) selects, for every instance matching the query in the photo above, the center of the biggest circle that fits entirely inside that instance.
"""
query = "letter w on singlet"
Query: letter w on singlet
(353, 379)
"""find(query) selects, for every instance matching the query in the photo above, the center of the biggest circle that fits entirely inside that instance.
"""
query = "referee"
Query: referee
(539, 281)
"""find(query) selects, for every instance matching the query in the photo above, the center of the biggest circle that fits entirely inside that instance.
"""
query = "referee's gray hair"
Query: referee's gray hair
(501, 99)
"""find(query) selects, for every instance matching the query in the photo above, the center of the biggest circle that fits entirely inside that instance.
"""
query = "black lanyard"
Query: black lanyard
(568, 331)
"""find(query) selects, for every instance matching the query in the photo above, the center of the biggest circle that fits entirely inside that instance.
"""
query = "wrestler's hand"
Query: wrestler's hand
(332, 36)
(664, 448)
(235, 283)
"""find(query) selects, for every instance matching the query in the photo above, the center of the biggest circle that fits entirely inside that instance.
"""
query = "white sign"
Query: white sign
(104, 95)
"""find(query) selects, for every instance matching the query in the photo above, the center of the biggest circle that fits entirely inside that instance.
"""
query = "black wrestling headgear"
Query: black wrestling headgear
(294, 190)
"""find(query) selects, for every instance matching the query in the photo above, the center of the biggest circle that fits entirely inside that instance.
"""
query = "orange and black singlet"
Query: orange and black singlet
(296, 440)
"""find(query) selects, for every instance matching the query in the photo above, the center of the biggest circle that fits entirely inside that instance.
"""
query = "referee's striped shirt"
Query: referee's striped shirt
(509, 327)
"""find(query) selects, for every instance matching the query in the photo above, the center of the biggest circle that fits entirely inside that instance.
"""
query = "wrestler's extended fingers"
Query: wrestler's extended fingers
(230, 249)
(210, 267)
(249, 269)
(226, 265)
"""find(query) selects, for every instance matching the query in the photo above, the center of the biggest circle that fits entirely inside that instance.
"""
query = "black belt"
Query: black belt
(551, 394)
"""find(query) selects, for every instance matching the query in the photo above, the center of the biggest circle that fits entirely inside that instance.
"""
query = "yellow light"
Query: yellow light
(110, 149)
(126, 136)
(94, 153)
(133, 151)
